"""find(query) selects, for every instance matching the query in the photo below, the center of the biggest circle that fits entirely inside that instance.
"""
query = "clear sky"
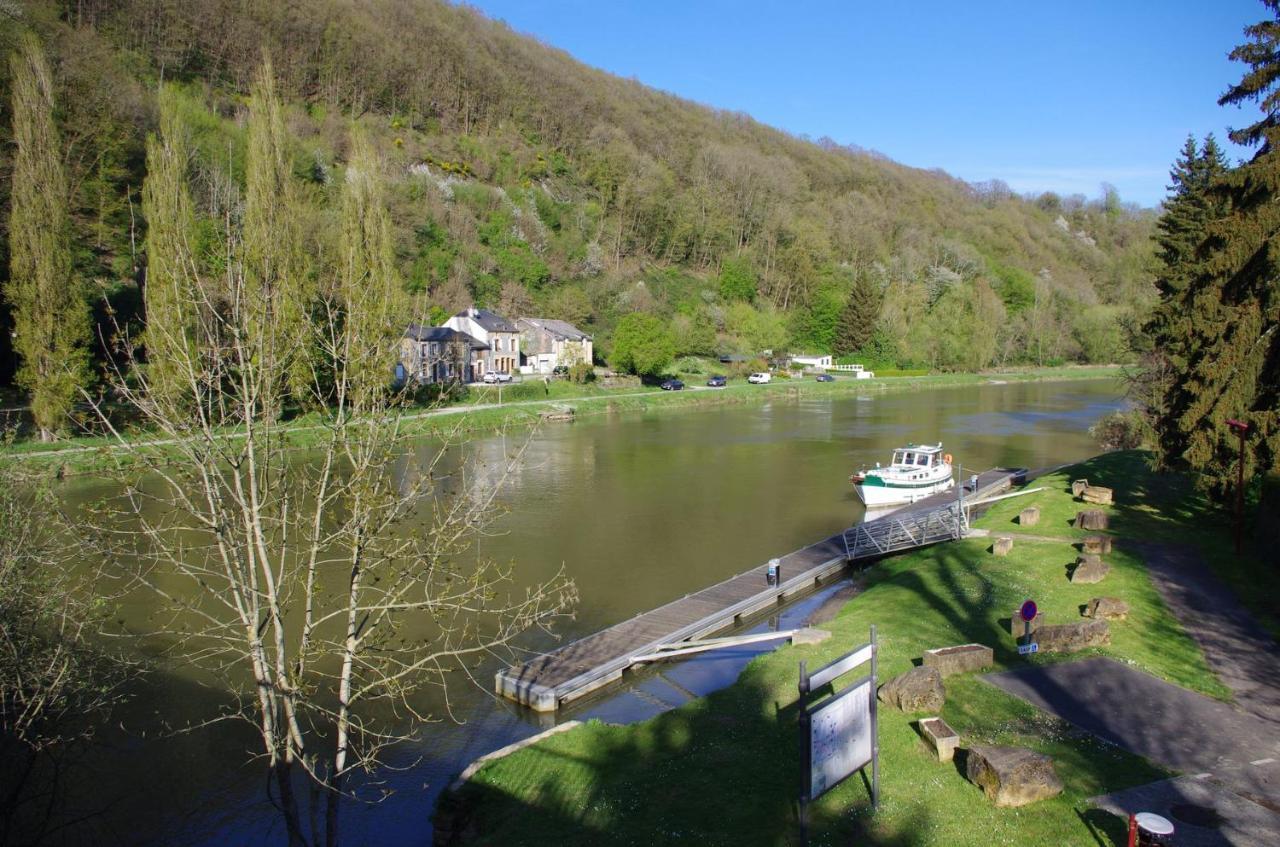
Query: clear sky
(1059, 96)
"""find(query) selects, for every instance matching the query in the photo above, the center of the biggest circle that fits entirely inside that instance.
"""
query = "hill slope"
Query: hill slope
(529, 182)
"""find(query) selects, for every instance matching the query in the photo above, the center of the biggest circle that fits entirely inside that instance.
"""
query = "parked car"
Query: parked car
(717, 381)
(759, 379)
(560, 370)
(825, 378)
(672, 385)
(492, 377)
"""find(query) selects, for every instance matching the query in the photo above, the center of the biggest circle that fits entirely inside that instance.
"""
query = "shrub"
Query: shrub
(581, 373)
(1121, 431)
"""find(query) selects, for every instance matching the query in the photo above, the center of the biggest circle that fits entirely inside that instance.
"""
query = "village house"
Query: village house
(500, 336)
(546, 344)
(440, 354)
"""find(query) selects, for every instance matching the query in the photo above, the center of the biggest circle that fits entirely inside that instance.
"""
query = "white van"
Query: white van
(759, 379)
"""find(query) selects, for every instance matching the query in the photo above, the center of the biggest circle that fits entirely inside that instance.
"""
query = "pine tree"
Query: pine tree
(50, 316)
(857, 321)
(1225, 356)
(169, 292)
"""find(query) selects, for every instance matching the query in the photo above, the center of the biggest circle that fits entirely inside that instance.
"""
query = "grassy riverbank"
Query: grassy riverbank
(724, 769)
(489, 409)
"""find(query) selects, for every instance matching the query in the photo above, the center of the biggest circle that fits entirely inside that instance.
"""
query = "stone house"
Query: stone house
(499, 335)
(439, 354)
(548, 343)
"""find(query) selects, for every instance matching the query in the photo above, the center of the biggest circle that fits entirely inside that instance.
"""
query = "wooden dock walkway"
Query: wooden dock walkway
(555, 678)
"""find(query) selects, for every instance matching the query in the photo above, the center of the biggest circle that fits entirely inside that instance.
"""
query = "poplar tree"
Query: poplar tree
(169, 290)
(1231, 298)
(50, 316)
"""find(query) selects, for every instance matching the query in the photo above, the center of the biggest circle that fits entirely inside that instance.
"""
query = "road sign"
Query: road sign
(1028, 611)
(1024, 649)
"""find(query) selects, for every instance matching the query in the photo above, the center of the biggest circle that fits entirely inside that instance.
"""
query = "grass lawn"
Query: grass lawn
(725, 769)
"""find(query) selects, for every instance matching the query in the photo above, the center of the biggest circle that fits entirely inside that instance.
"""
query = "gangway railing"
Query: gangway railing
(892, 533)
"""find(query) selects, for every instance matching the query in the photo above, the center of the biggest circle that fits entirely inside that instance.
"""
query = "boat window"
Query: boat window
(922, 459)
(897, 458)
(908, 458)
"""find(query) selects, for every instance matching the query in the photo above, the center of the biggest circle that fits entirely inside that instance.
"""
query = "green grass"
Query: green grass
(724, 769)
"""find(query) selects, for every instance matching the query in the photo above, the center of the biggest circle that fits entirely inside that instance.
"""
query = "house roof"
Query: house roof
(443, 334)
(491, 321)
(561, 329)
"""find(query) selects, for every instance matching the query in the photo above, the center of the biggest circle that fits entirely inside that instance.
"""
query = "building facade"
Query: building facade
(547, 344)
(440, 354)
(500, 336)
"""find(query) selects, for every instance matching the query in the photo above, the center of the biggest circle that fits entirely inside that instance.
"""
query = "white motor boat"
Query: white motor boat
(916, 472)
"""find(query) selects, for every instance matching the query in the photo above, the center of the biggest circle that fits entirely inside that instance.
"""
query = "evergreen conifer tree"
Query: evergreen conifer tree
(1223, 348)
(857, 321)
(50, 317)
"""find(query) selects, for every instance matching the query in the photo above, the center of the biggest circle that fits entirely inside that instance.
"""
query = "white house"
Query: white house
(500, 335)
(820, 362)
(547, 343)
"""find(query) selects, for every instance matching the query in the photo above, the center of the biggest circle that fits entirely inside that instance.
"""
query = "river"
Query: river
(638, 509)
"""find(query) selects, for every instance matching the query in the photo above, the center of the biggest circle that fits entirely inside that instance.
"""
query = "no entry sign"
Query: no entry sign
(1028, 611)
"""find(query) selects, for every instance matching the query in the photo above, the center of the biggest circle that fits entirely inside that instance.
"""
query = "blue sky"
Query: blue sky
(1045, 96)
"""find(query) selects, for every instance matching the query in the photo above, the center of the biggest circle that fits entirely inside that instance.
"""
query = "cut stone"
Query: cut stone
(1072, 637)
(1078, 486)
(1002, 545)
(1092, 519)
(1090, 569)
(917, 690)
(1029, 516)
(1012, 776)
(1097, 544)
(1097, 495)
(944, 739)
(1018, 628)
(960, 659)
(1109, 608)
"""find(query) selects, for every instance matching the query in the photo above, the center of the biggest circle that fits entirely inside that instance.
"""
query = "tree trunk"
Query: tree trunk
(289, 803)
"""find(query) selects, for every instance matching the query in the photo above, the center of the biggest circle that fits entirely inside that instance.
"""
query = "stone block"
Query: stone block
(1002, 545)
(809, 635)
(1029, 516)
(1078, 486)
(941, 736)
(1097, 544)
(1012, 776)
(1090, 569)
(1072, 637)
(1097, 495)
(1091, 519)
(1108, 608)
(1017, 628)
(917, 690)
(960, 659)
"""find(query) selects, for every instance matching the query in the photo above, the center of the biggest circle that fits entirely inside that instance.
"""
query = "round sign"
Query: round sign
(1028, 611)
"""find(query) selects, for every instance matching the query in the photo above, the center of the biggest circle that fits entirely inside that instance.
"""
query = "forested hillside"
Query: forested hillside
(524, 181)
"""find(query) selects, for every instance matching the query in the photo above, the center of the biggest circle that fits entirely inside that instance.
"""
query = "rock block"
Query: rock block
(1017, 627)
(1092, 519)
(1108, 608)
(944, 739)
(960, 659)
(917, 690)
(1029, 516)
(1078, 486)
(1012, 776)
(1002, 545)
(1090, 569)
(1097, 495)
(1072, 637)
(1097, 544)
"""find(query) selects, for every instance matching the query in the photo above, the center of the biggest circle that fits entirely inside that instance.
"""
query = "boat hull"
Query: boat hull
(874, 496)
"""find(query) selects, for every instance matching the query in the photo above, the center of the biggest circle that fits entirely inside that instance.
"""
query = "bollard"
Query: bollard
(773, 576)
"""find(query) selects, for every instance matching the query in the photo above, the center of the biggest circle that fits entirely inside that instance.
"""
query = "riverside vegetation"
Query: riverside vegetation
(725, 769)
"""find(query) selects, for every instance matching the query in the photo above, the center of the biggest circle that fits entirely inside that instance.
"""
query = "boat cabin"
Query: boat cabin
(920, 457)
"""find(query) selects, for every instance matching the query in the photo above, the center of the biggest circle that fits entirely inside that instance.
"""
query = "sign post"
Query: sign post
(1028, 614)
(838, 734)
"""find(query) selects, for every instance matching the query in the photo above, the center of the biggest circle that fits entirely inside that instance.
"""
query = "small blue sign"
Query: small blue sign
(1024, 649)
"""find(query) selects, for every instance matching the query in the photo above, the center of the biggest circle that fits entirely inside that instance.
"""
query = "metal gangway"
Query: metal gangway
(895, 532)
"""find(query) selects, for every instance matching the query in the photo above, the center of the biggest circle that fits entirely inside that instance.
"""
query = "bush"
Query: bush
(582, 373)
(1121, 431)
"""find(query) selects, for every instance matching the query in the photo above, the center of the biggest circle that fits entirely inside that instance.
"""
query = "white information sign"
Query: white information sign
(840, 739)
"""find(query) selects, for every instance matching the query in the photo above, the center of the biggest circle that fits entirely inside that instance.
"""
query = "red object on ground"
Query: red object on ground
(1133, 831)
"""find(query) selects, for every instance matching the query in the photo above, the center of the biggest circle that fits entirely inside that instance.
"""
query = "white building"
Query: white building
(548, 343)
(500, 335)
(820, 362)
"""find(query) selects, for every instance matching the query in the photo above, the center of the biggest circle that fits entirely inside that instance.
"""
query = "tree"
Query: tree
(50, 316)
(309, 571)
(642, 345)
(1219, 319)
(737, 280)
(857, 321)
